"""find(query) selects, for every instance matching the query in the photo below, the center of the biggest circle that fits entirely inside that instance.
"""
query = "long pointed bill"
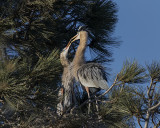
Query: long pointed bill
(71, 40)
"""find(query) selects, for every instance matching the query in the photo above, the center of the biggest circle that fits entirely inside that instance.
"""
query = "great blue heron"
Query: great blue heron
(90, 75)
(67, 82)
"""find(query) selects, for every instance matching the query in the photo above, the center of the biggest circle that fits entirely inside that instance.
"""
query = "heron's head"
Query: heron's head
(82, 32)
(65, 50)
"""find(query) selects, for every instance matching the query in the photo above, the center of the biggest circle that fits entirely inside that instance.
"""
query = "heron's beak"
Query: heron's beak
(71, 40)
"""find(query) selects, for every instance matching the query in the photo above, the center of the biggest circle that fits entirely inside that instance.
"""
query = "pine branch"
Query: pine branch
(131, 73)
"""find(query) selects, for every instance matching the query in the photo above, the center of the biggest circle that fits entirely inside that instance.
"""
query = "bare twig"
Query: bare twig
(138, 120)
(115, 82)
(109, 101)
(154, 107)
(153, 120)
(152, 89)
(149, 89)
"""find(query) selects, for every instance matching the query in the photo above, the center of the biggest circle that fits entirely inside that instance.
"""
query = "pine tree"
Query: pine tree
(28, 26)
(31, 31)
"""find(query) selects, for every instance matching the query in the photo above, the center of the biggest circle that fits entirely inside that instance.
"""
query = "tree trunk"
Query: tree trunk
(150, 96)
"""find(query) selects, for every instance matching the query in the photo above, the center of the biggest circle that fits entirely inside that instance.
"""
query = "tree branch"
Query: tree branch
(149, 105)
(148, 92)
(154, 107)
(115, 82)
(138, 120)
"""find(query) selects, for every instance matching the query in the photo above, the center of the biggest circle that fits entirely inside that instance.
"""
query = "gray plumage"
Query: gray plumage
(60, 107)
(92, 75)
(88, 74)
(66, 92)
(67, 82)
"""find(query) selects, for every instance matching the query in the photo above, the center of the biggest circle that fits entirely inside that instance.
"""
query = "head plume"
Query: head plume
(83, 28)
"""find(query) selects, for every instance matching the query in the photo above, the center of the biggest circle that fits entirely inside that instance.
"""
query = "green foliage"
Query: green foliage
(43, 70)
(121, 107)
(25, 87)
(31, 30)
(6, 70)
(154, 70)
(28, 27)
(132, 72)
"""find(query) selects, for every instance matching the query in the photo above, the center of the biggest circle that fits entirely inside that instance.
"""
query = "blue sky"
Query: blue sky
(139, 30)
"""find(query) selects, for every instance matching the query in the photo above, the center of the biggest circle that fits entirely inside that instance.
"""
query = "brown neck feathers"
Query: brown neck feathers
(79, 56)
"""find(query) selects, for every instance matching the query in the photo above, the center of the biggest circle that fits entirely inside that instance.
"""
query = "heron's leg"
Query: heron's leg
(97, 105)
(97, 108)
(89, 106)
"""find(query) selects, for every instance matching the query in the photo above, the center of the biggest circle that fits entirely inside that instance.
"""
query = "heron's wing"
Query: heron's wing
(92, 75)
(94, 90)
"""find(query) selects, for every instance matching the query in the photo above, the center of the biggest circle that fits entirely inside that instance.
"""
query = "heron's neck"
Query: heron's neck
(64, 61)
(79, 56)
